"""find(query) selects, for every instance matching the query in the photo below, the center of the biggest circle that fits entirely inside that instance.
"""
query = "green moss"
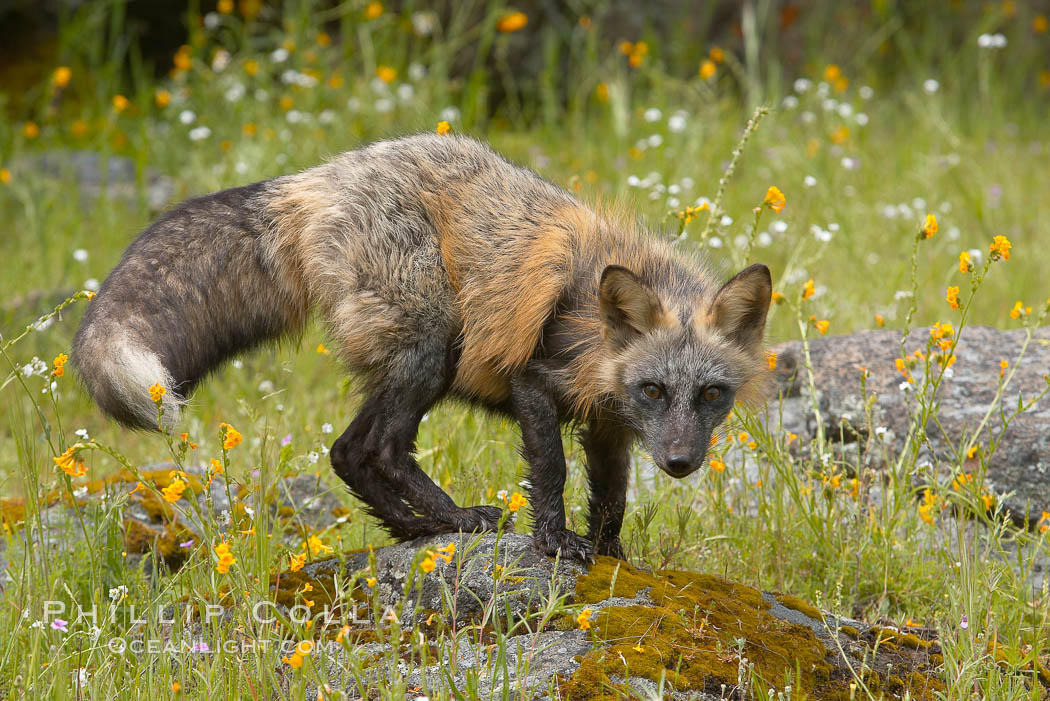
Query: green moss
(796, 604)
(896, 639)
(610, 577)
(12, 513)
(687, 636)
(140, 539)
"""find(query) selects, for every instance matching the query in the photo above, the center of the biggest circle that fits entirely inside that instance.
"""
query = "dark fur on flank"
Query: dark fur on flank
(442, 270)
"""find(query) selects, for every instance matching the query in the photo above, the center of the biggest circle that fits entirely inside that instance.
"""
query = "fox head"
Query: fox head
(676, 382)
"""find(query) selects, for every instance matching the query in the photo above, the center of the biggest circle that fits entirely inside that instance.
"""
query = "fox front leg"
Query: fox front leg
(607, 444)
(537, 413)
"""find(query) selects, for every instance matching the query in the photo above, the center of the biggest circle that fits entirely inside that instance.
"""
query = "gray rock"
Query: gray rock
(1019, 468)
(95, 175)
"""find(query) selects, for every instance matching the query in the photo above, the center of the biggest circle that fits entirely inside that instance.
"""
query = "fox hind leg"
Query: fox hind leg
(374, 455)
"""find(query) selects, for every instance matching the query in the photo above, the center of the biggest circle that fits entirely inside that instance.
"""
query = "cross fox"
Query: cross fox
(442, 270)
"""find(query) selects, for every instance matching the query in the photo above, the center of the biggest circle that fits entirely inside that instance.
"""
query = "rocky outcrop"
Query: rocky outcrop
(617, 630)
(1019, 467)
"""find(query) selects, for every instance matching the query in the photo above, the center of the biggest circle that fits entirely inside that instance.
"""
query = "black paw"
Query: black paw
(571, 545)
(610, 547)
(477, 518)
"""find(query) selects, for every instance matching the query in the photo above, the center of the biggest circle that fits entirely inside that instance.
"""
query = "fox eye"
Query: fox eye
(712, 394)
(651, 391)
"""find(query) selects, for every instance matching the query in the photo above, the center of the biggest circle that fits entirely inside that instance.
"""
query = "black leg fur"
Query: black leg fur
(607, 444)
(537, 413)
(374, 455)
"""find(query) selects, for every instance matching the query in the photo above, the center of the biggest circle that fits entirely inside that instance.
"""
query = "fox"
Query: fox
(441, 270)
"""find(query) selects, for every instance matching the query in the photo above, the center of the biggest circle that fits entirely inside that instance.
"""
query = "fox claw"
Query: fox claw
(570, 544)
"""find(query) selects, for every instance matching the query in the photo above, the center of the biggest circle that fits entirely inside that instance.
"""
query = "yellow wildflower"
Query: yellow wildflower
(173, 492)
(31, 130)
(370, 581)
(516, 501)
(583, 620)
(840, 135)
(717, 465)
(771, 360)
(1040, 24)
(297, 561)
(775, 199)
(251, 67)
(447, 552)
(1044, 522)
(952, 297)
(5, 176)
(428, 563)
(225, 7)
(120, 103)
(822, 326)
(832, 73)
(183, 59)
(156, 392)
(971, 452)
(776, 297)
(60, 365)
(373, 10)
(930, 227)
(708, 69)
(808, 289)
(443, 127)
(716, 54)
(512, 22)
(1000, 248)
(317, 545)
(231, 436)
(225, 558)
(61, 77)
(1019, 310)
(965, 265)
(387, 74)
(929, 501)
(1003, 365)
(880, 321)
(939, 330)
(70, 464)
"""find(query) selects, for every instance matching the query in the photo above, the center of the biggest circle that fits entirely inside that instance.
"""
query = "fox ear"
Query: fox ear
(740, 307)
(628, 306)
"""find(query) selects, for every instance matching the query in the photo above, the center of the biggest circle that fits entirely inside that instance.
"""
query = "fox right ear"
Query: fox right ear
(740, 307)
(628, 306)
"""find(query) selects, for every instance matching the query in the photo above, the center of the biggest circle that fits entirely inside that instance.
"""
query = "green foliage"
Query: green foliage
(861, 167)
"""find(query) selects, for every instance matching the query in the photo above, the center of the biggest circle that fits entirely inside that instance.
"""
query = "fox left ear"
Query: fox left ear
(740, 307)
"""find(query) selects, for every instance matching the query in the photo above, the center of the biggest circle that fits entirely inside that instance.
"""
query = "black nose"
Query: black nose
(678, 464)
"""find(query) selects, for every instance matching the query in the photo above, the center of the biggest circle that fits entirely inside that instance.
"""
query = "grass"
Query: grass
(656, 137)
